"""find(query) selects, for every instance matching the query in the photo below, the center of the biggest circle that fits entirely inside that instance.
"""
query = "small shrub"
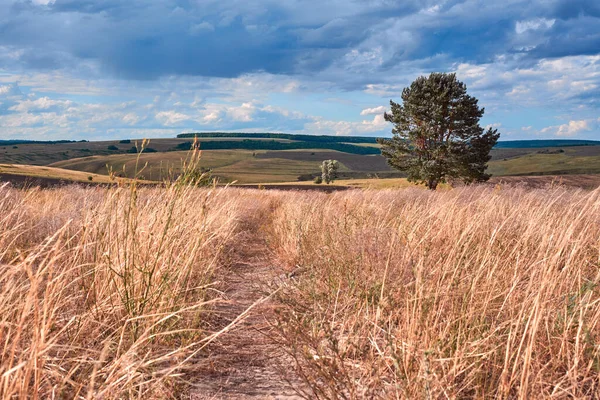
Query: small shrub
(125, 141)
(90, 178)
(112, 147)
(318, 180)
(305, 177)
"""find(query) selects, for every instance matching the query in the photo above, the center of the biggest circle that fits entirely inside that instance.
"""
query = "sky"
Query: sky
(114, 69)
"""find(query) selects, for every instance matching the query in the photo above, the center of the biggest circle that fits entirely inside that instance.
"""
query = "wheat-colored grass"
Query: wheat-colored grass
(475, 292)
(469, 293)
(103, 290)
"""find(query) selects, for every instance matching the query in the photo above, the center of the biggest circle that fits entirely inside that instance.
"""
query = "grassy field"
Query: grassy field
(263, 166)
(476, 292)
(45, 154)
(243, 166)
(52, 173)
(537, 164)
(466, 293)
(278, 166)
(104, 291)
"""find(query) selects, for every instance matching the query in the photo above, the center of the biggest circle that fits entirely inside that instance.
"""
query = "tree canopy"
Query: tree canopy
(436, 133)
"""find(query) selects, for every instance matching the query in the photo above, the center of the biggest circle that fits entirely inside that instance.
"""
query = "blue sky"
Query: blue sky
(85, 69)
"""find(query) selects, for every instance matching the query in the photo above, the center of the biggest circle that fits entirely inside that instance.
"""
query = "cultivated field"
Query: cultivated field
(34, 171)
(163, 159)
(476, 292)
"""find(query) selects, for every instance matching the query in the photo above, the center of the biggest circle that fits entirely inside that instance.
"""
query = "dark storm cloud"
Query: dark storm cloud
(148, 39)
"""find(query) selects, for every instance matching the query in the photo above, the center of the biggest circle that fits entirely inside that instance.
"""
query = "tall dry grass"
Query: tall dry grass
(469, 293)
(103, 290)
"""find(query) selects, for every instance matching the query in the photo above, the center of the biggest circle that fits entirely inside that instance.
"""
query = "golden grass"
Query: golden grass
(103, 291)
(35, 171)
(474, 292)
(467, 293)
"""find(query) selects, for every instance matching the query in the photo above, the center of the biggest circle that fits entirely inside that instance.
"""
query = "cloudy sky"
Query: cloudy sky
(99, 69)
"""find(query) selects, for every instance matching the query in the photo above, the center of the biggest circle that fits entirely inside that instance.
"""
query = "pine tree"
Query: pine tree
(436, 133)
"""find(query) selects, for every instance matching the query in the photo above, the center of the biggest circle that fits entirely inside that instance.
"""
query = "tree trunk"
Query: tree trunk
(432, 184)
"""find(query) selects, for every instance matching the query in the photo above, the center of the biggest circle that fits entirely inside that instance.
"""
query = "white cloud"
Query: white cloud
(570, 129)
(131, 118)
(533, 25)
(42, 103)
(212, 117)
(171, 117)
(197, 29)
(346, 128)
(43, 2)
(374, 110)
(242, 113)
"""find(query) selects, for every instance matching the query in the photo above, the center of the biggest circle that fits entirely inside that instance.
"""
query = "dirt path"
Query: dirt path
(246, 362)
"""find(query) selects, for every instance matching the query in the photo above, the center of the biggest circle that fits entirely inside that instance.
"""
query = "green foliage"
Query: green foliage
(112, 147)
(19, 141)
(303, 138)
(305, 177)
(329, 171)
(318, 180)
(125, 141)
(436, 133)
(248, 144)
(134, 150)
(183, 146)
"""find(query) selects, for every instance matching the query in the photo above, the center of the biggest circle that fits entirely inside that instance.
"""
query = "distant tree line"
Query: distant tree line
(248, 144)
(288, 136)
(532, 144)
(19, 141)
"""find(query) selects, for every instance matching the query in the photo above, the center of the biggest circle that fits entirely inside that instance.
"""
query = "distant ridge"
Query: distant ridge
(12, 142)
(532, 144)
(289, 136)
(535, 143)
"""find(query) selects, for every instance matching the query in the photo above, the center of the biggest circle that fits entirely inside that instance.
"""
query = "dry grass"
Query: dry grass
(466, 293)
(477, 292)
(34, 171)
(103, 290)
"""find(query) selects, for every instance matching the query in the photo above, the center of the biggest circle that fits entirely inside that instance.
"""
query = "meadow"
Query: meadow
(472, 292)
(104, 291)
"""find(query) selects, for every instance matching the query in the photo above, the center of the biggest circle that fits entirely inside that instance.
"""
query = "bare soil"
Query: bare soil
(246, 362)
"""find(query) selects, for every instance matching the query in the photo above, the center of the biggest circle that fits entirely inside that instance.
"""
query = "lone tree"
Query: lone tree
(329, 171)
(436, 133)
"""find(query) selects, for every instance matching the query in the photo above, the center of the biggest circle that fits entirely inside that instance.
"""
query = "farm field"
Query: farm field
(265, 166)
(254, 166)
(51, 173)
(45, 154)
(348, 294)
(243, 166)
